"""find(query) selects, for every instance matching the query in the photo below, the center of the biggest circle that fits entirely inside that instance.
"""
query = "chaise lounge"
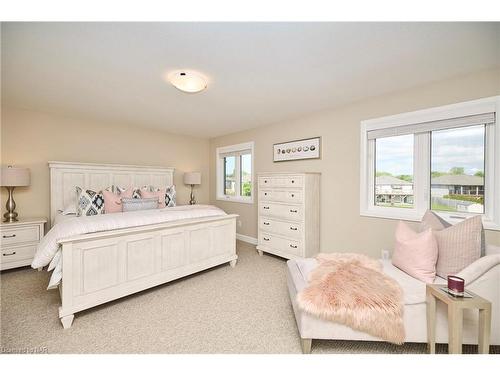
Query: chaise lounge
(482, 277)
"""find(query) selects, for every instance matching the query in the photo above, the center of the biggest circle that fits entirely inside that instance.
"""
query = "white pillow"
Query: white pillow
(69, 210)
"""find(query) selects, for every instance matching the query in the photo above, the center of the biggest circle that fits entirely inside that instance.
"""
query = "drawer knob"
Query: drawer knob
(266, 223)
(6, 255)
(266, 207)
(266, 239)
(293, 181)
(293, 195)
(293, 246)
(265, 193)
(265, 181)
(10, 236)
(293, 211)
(292, 228)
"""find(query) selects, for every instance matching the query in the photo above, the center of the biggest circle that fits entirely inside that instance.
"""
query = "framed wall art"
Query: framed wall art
(309, 148)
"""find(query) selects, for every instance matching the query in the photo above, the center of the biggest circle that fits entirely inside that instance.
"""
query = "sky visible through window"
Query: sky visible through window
(230, 165)
(394, 155)
(462, 148)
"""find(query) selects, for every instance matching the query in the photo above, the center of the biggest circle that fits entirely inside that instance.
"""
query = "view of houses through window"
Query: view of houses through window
(457, 170)
(394, 171)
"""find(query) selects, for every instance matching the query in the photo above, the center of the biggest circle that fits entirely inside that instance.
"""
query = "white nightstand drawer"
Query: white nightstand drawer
(19, 235)
(15, 254)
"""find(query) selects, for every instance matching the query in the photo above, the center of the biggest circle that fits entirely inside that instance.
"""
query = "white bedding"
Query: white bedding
(64, 227)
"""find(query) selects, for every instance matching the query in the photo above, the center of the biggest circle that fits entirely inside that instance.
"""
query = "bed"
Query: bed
(103, 266)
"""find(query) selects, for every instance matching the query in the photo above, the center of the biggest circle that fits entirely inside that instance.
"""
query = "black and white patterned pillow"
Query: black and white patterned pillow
(89, 202)
(170, 194)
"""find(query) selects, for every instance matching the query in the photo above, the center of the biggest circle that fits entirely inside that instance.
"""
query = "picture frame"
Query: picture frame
(308, 148)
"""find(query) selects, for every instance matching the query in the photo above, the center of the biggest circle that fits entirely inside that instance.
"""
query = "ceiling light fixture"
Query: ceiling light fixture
(187, 81)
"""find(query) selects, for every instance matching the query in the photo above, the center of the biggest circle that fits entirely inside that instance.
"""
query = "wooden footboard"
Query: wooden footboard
(101, 267)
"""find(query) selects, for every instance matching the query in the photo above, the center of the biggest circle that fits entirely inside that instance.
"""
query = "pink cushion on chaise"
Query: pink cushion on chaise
(416, 253)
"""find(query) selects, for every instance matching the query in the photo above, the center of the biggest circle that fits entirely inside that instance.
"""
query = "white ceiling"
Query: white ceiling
(259, 73)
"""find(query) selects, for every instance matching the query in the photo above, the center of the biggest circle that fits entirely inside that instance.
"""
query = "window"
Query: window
(394, 171)
(457, 169)
(446, 159)
(235, 173)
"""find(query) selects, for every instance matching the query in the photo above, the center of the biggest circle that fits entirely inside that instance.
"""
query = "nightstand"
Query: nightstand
(18, 241)
(456, 305)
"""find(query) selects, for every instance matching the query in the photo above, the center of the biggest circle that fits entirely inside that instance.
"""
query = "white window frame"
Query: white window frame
(237, 150)
(421, 160)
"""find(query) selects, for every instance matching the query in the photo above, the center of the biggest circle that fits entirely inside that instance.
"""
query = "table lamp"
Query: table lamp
(11, 178)
(192, 178)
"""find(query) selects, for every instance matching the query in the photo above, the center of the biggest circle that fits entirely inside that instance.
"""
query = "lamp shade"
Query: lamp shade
(14, 176)
(192, 178)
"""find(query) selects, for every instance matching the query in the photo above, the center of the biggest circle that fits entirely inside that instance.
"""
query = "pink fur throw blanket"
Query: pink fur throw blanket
(351, 289)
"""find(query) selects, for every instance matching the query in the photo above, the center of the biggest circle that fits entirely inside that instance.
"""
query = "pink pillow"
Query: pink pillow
(415, 253)
(113, 202)
(160, 194)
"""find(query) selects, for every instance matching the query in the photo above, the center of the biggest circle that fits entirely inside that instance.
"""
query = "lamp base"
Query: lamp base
(192, 200)
(11, 215)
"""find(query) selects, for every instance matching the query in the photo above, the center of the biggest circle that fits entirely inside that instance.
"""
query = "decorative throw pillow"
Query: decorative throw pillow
(134, 204)
(415, 253)
(459, 246)
(131, 192)
(433, 221)
(170, 194)
(436, 223)
(113, 198)
(159, 194)
(89, 202)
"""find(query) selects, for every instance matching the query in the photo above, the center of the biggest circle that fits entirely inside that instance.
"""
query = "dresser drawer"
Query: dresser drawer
(15, 254)
(291, 230)
(19, 235)
(281, 244)
(284, 211)
(281, 181)
(287, 196)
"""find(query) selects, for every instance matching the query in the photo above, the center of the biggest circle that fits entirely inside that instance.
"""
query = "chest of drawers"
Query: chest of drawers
(288, 210)
(18, 242)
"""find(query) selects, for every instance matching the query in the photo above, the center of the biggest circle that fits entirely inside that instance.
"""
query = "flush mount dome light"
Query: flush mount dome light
(187, 81)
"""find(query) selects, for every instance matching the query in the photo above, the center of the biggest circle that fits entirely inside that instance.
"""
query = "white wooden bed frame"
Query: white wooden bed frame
(104, 266)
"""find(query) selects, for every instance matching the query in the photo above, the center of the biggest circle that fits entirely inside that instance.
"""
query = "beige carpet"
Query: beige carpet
(222, 310)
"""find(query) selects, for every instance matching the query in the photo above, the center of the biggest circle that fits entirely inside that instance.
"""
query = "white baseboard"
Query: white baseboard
(248, 239)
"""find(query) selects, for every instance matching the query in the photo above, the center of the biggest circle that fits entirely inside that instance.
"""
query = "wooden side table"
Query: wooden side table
(18, 241)
(456, 305)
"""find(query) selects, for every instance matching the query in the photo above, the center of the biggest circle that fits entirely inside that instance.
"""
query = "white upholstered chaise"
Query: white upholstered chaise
(482, 277)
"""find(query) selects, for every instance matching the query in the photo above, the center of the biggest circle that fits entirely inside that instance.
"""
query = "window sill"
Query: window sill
(235, 200)
(412, 216)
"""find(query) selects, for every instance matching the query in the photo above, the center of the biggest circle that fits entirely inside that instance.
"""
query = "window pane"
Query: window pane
(229, 175)
(457, 169)
(394, 171)
(246, 175)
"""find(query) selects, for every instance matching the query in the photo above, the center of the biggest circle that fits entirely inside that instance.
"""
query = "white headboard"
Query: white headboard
(65, 176)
